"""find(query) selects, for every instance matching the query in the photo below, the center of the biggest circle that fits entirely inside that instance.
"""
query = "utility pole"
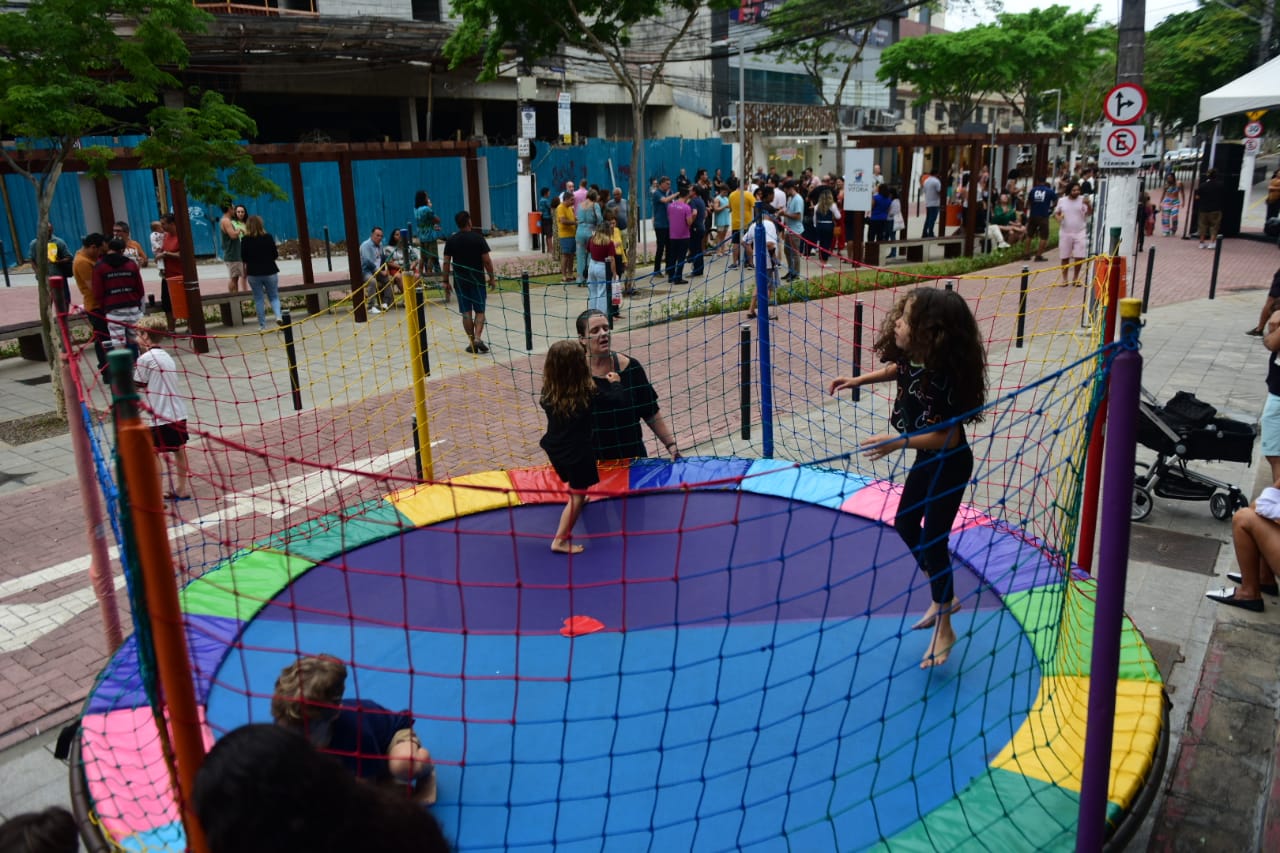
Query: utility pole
(1124, 187)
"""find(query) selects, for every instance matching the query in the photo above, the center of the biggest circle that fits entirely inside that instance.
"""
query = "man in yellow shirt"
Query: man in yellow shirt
(566, 228)
(742, 212)
(82, 268)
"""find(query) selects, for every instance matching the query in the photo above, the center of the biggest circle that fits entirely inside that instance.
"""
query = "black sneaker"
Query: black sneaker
(481, 346)
(471, 349)
(1254, 333)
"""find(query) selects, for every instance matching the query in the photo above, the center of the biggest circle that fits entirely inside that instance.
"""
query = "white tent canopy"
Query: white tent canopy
(1257, 90)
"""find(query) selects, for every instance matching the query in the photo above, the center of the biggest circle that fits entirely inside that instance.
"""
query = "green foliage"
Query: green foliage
(497, 30)
(193, 143)
(1017, 58)
(1192, 53)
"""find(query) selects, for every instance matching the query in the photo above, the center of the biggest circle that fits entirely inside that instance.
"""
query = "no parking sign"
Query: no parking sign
(1121, 146)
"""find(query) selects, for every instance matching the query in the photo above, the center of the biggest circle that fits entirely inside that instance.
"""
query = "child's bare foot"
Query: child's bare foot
(930, 617)
(562, 547)
(940, 646)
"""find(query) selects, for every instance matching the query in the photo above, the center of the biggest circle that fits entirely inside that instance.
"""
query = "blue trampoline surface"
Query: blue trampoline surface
(691, 721)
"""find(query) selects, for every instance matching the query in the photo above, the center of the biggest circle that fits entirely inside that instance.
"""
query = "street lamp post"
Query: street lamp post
(1057, 126)
(742, 144)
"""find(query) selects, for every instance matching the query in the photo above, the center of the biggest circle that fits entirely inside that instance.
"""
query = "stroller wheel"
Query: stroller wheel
(1220, 506)
(1142, 504)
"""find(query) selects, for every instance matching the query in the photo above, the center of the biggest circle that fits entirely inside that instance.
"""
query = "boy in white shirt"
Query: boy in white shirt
(156, 373)
(771, 249)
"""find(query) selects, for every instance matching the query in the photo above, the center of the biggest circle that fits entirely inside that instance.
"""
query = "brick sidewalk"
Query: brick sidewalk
(45, 682)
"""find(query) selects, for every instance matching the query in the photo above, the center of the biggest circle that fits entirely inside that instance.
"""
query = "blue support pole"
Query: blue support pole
(764, 272)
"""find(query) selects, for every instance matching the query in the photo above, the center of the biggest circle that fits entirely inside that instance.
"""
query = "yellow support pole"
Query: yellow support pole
(416, 309)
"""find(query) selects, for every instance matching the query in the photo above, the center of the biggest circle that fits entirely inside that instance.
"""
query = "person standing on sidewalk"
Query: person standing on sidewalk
(679, 217)
(932, 202)
(1040, 204)
(1072, 213)
(469, 250)
(1211, 197)
(660, 198)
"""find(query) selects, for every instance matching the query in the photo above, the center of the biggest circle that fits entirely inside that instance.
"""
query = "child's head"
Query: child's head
(567, 385)
(152, 331)
(155, 225)
(934, 327)
(50, 831)
(308, 694)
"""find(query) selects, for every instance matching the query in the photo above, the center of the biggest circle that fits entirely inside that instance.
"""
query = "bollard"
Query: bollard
(1217, 259)
(291, 353)
(1146, 287)
(1022, 306)
(417, 447)
(422, 330)
(528, 311)
(328, 257)
(4, 265)
(858, 306)
(744, 379)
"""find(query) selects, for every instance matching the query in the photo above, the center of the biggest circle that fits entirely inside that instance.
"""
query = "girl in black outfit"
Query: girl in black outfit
(933, 348)
(568, 394)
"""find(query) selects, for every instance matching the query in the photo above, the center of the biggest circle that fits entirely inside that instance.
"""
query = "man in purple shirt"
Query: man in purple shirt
(679, 216)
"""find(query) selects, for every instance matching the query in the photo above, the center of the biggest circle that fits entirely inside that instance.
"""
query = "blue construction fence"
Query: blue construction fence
(384, 191)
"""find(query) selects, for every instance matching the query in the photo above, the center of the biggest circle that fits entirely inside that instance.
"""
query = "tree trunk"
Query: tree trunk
(638, 185)
(40, 259)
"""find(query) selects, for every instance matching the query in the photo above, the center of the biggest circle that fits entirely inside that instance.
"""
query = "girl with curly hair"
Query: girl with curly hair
(932, 347)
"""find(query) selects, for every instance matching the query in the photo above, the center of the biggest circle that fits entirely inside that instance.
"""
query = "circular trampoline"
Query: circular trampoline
(729, 665)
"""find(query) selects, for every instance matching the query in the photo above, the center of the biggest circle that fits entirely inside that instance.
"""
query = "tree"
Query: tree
(827, 40)
(1032, 52)
(1192, 53)
(940, 67)
(496, 30)
(76, 68)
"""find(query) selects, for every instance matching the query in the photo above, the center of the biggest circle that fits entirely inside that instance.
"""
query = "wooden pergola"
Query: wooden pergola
(344, 154)
(970, 145)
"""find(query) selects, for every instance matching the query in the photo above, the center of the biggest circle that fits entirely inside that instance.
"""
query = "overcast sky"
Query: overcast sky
(1157, 10)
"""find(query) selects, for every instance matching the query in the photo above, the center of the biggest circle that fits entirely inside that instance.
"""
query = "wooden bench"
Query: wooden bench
(915, 249)
(231, 305)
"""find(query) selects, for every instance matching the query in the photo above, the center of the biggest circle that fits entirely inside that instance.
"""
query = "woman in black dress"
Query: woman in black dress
(616, 420)
(569, 396)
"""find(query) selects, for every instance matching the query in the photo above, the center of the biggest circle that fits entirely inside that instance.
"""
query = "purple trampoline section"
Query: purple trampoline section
(652, 561)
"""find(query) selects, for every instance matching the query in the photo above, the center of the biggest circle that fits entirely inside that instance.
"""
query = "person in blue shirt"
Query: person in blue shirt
(427, 227)
(369, 740)
(545, 217)
(661, 197)
(880, 227)
(1041, 201)
(374, 270)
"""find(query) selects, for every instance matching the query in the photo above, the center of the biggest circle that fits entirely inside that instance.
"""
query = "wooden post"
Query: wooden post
(352, 229)
(106, 210)
(190, 278)
(300, 217)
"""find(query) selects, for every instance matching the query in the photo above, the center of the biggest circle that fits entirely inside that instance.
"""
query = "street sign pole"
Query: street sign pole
(1252, 142)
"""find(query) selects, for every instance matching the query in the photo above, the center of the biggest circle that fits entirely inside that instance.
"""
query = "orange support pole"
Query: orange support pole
(1093, 462)
(140, 486)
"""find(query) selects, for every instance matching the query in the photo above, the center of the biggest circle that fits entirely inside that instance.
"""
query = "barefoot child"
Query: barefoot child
(156, 374)
(568, 392)
(932, 347)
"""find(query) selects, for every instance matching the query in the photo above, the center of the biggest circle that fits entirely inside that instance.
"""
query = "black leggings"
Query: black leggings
(932, 494)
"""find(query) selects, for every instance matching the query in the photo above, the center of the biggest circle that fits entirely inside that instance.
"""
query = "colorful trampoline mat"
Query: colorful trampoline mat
(729, 665)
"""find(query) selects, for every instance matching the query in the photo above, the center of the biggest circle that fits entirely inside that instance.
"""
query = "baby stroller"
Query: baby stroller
(1183, 429)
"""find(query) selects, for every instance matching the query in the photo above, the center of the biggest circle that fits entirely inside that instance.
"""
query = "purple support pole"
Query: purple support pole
(765, 271)
(1113, 563)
